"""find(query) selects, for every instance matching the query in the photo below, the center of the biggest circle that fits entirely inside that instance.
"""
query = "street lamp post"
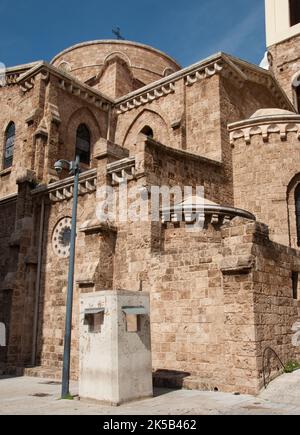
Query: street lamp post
(74, 167)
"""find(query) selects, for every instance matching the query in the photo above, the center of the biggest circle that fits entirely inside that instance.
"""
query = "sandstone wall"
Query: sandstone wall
(194, 117)
(189, 119)
(258, 304)
(219, 297)
(262, 172)
(17, 107)
(7, 266)
(187, 306)
(218, 300)
(54, 284)
(286, 63)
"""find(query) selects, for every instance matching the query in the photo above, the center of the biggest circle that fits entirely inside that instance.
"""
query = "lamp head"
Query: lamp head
(58, 166)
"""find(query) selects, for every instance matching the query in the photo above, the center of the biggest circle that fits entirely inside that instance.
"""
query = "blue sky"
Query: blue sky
(188, 30)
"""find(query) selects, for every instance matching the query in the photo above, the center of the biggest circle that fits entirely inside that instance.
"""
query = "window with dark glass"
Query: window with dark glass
(83, 144)
(10, 135)
(147, 131)
(294, 12)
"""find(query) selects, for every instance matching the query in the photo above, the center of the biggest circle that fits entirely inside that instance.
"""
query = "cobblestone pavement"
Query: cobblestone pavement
(25, 395)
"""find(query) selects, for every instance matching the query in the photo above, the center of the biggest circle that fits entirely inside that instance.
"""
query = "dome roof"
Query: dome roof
(262, 113)
(195, 200)
(115, 43)
(89, 59)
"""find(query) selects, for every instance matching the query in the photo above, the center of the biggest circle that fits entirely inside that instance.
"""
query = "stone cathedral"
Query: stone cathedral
(220, 297)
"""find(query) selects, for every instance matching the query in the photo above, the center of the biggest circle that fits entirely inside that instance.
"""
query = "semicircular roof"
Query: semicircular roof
(272, 112)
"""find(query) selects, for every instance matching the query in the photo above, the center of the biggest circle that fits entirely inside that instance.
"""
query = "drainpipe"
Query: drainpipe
(37, 286)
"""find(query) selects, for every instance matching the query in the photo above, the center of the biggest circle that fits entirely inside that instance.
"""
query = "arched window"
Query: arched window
(147, 131)
(297, 207)
(83, 144)
(10, 135)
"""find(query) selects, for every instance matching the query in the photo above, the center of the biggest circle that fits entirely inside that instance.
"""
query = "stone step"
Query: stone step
(43, 372)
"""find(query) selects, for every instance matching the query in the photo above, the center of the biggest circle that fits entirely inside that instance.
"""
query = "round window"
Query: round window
(61, 238)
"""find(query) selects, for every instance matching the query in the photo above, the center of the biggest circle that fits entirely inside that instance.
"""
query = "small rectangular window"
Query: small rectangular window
(94, 318)
(294, 12)
(295, 278)
(133, 318)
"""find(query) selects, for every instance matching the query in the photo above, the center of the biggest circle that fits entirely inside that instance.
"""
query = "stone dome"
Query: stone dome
(266, 113)
(87, 60)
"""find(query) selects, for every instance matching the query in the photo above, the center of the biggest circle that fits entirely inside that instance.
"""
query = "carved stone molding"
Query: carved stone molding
(92, 226)
(63, 190)
(265, 130)
(207, 213)
(66, 193)
(53, 112)
(42, 129)
(11, 78)
(65, 82)
(203, 73)
(82, 92)
(147, 97)
(232, 265)
(264, 123)
(27, 85)
(122, 170)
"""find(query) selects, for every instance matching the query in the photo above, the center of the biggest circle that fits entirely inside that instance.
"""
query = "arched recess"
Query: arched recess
(150, 119)
(147, 131)
(168, 71)
(65, 66)
(83, 116)
(113, 55)
(293, 204)
(116, 77)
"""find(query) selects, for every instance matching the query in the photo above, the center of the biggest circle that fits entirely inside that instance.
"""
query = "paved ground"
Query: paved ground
(284, 389)
(33, 396)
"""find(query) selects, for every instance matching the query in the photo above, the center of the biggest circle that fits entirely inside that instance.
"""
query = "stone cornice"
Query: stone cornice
(264, 77)
(14, 73)
(7, 199)
(171, 78)
(214, 213)
(122, 170)
(63, 190)
(281, 124)
(66, 82)
(12, 78)
(236, 69)
(166, 86)
(183, 154)
(147, 97)
(228, 66)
